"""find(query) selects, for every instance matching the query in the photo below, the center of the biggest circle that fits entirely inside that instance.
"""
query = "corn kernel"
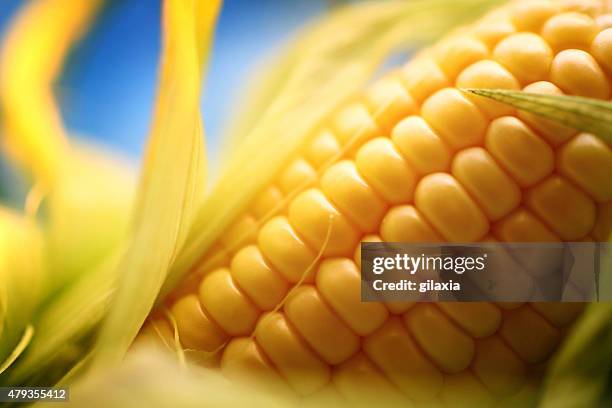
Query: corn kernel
(478, 319)
(577, 73)
(405, 224)
(313, 217)
(524, 155)
(226, 304)
(267, 201)
(458, 52)
(285, 250)
(353, 126)
(523, 226)
(587, 161)
(339, 282)
(516, 329)
(389, 102)
(322, 148)
(450, 209)
(491, 354)
(525, 55)
(602, 47)
(456, 119)
(450, 348)
(392, 349)
(264, 286)
(353, 196)
(423, 77)
(196, 331)
(326, 334)
(568, 211)
(488, 74)
(421, 146)
(570, 30)
(304, 371)
(386, 170)
(531, 15)
(495, 192)
(298, 174)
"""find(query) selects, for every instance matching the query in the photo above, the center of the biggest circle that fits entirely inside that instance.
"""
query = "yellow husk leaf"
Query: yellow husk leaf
(172, 177)
(31, 59)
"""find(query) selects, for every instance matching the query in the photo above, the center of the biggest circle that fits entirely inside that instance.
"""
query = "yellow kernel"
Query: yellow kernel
(266, 201)
(457, 52)
(602, 231)
(576, 72)
(354, 126)
(450, 349)
(495, 192)
(196, 331)
(568, 211)
(313, 217)
(339, 282)
(265, 287)
(386, 171)
(423, 77)
(362, 384)
(389, 102)
(532, 349)
(243, 360)
(241, 232)
(464, 390)
(230, 309)
(353, 196)
(456, 119)
(587, 161)
(322, 149)
(552, 131)
(492, 30)
(298, 174)
(491, 354)
(570, 30)
(450, 209)
(319, 326)
(531, 15)
(602, 47)
(405, 224)
(478, 319)
(357, 254)
(525, 55)
(395, 353)
(398, 308)
(604, 21)
(559, 314)
(523, 226)
(488, 74)
(285, 250)
(588, 7)
(524, 155)
(421, 146)
(304, 371)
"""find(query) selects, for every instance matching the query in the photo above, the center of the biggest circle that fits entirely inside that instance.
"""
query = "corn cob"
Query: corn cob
(413, 159)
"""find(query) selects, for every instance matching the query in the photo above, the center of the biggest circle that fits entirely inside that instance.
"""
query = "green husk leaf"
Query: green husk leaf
(584, 114)
(581, 370)
(171, 181)
(22, 278)
(324, 67)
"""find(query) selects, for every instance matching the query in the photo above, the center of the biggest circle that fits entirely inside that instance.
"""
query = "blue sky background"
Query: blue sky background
(108, 87)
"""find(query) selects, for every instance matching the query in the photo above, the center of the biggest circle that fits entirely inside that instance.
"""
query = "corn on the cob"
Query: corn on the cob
(414, 160)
